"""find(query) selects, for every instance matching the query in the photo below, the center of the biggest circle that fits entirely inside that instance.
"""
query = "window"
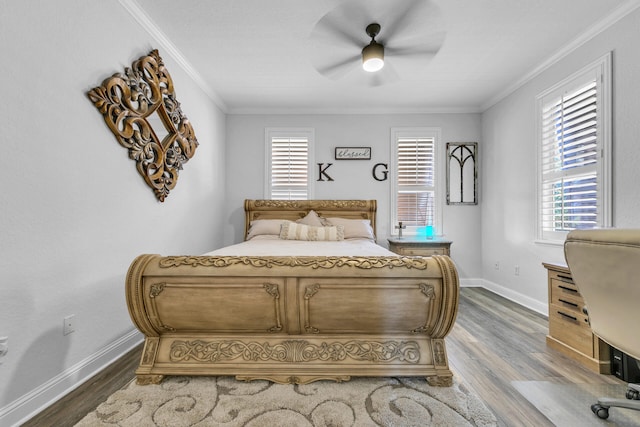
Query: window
(288, 158)
(574, 152)
(414, 198)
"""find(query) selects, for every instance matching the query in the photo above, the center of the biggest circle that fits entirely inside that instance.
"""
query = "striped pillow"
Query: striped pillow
(295, 231)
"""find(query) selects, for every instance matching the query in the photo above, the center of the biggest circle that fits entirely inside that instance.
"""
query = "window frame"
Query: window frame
(417, 132)
(600, 70)
(272, 132)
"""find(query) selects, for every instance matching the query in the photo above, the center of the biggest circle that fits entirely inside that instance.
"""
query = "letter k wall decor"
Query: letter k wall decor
(141, 109)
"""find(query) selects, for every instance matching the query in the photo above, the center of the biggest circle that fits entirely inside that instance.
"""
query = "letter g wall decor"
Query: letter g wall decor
(141, 109)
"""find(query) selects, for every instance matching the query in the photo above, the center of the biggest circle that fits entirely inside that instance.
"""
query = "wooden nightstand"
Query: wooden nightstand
(421, 246)
(569, 330)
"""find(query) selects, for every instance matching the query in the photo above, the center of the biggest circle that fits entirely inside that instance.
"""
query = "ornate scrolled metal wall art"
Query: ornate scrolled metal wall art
(141, 109)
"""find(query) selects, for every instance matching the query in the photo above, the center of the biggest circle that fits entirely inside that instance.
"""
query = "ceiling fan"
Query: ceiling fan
(398, 42)
(373, 53)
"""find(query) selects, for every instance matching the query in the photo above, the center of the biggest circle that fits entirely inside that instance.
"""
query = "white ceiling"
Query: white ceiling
(257, 56)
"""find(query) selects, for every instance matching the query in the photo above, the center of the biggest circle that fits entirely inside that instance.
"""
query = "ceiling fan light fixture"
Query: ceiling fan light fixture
(373, 57)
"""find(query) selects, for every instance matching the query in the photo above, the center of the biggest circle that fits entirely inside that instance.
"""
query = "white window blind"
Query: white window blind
(569, 158)
(415, 198)
(572, 151)
(288, 160)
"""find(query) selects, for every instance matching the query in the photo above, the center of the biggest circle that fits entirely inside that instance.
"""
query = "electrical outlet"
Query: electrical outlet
(4, 347)
(69, 324)
(497, 265)
(516, 270)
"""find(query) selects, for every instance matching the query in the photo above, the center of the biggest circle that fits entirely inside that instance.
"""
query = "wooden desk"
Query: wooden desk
(411, 245)
(569, 330)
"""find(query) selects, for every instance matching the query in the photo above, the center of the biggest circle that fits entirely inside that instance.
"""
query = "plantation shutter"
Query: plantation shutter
(569, 160)
(416, 186)
(289, 168)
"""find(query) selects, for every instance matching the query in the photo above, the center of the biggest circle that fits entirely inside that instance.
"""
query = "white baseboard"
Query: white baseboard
(32, 403)
(471, 283)
(517, 297)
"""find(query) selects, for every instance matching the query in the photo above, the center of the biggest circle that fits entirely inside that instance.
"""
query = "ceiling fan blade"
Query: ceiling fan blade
(402, 17)
(338, 69)
(411, 51)
(426, 45)
(336, 28)
(331, 33)
(387, 75)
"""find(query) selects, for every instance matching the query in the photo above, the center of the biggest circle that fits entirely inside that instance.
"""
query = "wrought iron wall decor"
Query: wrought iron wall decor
(462, 173)
(141, 109)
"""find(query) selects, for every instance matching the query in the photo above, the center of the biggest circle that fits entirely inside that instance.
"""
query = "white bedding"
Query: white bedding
(274, 246)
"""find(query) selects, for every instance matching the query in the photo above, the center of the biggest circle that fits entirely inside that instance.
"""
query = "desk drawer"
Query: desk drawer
(566, 295)
(565, 278)
(571, 327)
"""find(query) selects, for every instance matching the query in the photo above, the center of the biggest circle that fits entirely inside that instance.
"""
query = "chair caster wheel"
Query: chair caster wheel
(600, 411)
(632, 394)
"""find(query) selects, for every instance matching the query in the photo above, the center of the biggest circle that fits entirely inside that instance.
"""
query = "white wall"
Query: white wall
(508, 166)
(75, 212)
(352, 179)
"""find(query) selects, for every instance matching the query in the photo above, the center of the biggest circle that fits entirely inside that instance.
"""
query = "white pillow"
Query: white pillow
(354, 228)
(312, 219)
(295, 231)
(261, 227)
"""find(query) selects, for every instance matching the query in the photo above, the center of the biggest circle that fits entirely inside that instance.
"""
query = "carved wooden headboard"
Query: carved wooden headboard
(296, 209)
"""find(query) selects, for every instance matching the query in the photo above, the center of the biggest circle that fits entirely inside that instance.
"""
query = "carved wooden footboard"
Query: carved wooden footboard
(293, 319)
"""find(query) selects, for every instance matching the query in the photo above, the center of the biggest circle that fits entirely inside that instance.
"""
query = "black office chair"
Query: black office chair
(605, 265)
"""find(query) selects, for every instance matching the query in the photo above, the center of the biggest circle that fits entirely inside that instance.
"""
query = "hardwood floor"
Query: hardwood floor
(494, 342)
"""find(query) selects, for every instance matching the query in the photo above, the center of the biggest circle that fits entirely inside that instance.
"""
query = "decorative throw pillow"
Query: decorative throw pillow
(312, 219)
(295, 231)
(353, 228)
(260, 227)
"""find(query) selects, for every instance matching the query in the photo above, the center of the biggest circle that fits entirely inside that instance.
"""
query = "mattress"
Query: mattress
(274, 246)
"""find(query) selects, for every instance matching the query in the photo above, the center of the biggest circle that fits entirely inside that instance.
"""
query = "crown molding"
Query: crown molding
(609, 20)
(295, 111)
(147, 23)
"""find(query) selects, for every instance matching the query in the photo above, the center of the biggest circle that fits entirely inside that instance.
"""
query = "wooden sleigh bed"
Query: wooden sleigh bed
(294, 319)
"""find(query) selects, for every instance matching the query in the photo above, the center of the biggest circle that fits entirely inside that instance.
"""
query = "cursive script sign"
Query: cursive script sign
(353, 153)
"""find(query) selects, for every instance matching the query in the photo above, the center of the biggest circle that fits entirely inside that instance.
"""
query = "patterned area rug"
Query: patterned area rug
(223, 401)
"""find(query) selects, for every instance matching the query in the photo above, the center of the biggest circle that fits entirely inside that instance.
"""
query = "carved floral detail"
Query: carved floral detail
(129, 103)
(149, 379)
(304, 204)
(150, 349)
(273, 290)
(429, 291)
(156, 289)
(289, 204)
(439, 381)
(419, 263)
(439, 354)
(295, 351)
(309, 292)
